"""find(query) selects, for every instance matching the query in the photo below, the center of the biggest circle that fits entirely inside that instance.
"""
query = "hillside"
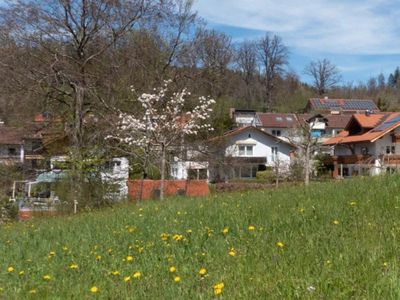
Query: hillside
(332, 240)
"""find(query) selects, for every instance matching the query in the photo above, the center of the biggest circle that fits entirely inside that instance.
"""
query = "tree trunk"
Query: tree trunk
(307, 166)
(163, 154)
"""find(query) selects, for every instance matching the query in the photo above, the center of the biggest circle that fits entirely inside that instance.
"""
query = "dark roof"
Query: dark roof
(278, 120)
(337, 121)
(323, 104)
(11, 136)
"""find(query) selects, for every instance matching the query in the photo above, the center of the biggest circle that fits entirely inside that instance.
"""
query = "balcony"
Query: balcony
(348, 159)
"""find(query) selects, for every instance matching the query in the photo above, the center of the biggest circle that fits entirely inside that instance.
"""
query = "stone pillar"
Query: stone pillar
(335, 173)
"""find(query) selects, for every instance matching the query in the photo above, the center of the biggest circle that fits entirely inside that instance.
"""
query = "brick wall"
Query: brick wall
(172, 187)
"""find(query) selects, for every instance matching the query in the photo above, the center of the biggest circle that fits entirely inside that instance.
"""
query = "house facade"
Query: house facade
(246, 150)
(370, 145)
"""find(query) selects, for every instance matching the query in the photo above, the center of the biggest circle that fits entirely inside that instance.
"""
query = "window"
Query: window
(12, 151)
(279, 119)
(274, 153)
(276, 132)
(290, 119)
(245, 150)
(390, 149)
(364, 150)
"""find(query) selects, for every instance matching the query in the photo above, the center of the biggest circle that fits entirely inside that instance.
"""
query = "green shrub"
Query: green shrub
(267, 175)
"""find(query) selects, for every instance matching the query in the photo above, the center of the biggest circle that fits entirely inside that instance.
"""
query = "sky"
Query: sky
(361, 37)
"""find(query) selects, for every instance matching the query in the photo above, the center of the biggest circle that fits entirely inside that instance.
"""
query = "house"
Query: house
(339, 106)
(245, 150)
(369, 145)
(19, 146)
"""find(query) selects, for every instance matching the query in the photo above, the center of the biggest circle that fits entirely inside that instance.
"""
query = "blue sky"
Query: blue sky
(361, 37)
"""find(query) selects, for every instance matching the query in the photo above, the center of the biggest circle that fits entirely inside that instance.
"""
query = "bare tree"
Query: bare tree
(324, 74)
(273, 55)
(246, 61)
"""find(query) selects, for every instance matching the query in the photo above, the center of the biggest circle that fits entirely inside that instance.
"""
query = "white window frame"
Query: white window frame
(247, 150)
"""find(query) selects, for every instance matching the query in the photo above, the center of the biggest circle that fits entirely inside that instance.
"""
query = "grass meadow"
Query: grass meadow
(335, 240)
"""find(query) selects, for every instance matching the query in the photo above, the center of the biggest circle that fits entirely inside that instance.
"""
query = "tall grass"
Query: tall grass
(328, 241)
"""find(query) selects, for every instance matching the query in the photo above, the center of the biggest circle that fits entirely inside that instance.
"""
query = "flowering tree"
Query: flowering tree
(163, 124)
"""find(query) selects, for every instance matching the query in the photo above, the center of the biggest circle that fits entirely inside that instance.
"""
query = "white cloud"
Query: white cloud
(315, 26)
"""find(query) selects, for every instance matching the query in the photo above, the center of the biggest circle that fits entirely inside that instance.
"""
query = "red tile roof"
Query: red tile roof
(381, 129)
(369, 121)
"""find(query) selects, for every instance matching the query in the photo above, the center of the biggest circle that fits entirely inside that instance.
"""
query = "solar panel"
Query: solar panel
(387, 124)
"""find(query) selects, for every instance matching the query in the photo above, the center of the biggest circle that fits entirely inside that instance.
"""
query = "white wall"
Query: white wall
(261, 146)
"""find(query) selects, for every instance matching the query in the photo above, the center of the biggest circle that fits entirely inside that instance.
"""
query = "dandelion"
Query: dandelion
(218, 288)
(46, 277)
(52, 253)
(172, 269)
(164, 236)
(353, 203)
(94, 289)
(232, 252)
(203, 272)
(335, 222)
(225, 230)
(251, 228)
(177, 279)
(10, 269)
(129, 258)
(33, 291)
(189, 231)
(280, 244)
(115, 273)
(127, 278)
(65, 248)
(21, 273)
(301, 210)
(98, 257)
(137, 275)
(73, 266)
(385, 264)
(177, 237)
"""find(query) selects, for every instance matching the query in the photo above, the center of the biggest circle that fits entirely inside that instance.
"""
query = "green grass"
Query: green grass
(356, 258)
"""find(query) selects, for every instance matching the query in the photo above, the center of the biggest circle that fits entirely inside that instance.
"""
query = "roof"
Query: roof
(277, 120)
(337, 121)
(391, 122)
(11, 136)
(324, 104)
(368, 121)
(242, 129)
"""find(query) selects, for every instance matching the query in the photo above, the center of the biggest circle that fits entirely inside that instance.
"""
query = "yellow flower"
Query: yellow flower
(301, 210)
(225, 230)
(353, 203)
(127, 278)
(137, 275)
(114, 273)
(98, 257)
(21, 273)
(94, 289)
(385, 264)
(280, 244)
(217, 292)
(33, 291)
(73, 266)
(335, 222)
(203, 271)
(177, 237)
(10, 269)
(177, 279)
(251, 228)
(172, 269)
(129, 258)
(164, 236)
(47, 277)
(189, 231)
(232, 252)
(218, 288)
(65, 248)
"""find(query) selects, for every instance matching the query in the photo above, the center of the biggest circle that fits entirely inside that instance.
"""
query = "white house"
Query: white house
(246, 150)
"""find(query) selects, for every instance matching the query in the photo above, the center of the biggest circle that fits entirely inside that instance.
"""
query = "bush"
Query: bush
(267, 176)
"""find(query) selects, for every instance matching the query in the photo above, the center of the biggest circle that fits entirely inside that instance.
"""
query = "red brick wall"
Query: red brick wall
(192, 188)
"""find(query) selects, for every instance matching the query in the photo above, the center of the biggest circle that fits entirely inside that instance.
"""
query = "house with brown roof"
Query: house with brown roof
(246, 150)
(369, 145)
